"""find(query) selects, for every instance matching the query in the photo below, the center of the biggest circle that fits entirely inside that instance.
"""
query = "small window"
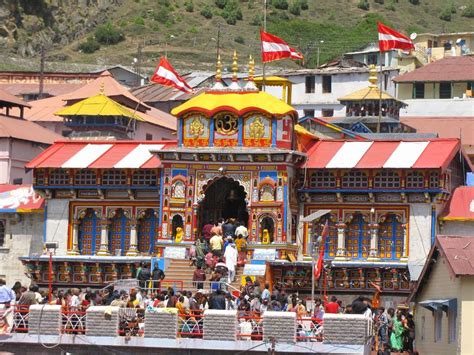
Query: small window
(445, 90)
(40, 176)
(85, 177)
(419, 90)
(372, 59)
(149, 137)
(308, 113)
(2, 233)
(114, 177)
(415, 180)
(144, 178)
(327, 112)
(310, 84)
(356, 179)
(327, 84)
(438, 321)
(387, 179)
(434, 180)
(324, 179)
(59, 177)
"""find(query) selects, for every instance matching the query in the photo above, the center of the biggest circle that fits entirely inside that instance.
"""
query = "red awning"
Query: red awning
(100, 155)
(19, 198)
(434, 153)
(461, 205)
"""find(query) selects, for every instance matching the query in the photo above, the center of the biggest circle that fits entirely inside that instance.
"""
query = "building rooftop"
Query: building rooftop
(461, 205)
(25, 130)
(460, 68)
(7, 99)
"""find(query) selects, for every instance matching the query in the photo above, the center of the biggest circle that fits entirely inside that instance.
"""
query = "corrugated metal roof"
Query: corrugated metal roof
(461, 205)
(459, 252)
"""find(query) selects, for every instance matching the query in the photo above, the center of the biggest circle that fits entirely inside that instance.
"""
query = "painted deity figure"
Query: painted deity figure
(265, 237)
(179, 235)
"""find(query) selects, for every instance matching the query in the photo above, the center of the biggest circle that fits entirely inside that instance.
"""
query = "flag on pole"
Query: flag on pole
(274, 48)
(318, 267)
(391, 39)
(166, 75)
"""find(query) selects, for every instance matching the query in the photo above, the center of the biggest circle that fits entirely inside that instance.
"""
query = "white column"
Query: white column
(133, 250)
(374, 239)
(75, 239)
(341, 242)
(104, 238)
(405, 242)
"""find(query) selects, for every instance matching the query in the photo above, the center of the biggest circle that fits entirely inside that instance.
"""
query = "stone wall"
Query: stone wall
(220, 325)
(280, 326)
(347, 329)
(44, 319)
(102, 321)
(161, 324)
(57, 223)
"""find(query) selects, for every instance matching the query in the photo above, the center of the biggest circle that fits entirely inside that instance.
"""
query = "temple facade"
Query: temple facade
(112, 204)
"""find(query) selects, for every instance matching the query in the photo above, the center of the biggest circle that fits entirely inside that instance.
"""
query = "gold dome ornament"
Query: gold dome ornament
(218, 83)
(235, 68)
(250, 82)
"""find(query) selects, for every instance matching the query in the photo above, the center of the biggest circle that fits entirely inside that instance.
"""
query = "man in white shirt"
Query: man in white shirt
(231, 261)
(241, 230)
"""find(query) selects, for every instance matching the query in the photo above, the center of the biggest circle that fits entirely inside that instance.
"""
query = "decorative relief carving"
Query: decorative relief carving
(196, 128)
(257, 129)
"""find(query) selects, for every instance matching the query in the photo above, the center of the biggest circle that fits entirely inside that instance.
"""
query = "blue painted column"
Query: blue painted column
(180, 131)
(241, 131)
(211, 131)
(274, 132)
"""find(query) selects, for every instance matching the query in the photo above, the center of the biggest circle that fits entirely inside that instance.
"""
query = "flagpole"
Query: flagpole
(380, 89)
(265, 30)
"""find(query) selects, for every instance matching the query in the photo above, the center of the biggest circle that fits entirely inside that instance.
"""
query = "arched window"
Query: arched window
(176, 222)
(147, 232)
(89, 233)
(415, 180)
(358, 237)
(330, 245)
(387, 179)
(144, 178)
(434, 180)
(324, 179)
(390, 237)
(119, 233)
(267, 230)
(267, 193)
(355, 179)
(178, 190)
(114, 177)
(85, 177)
(59, 177)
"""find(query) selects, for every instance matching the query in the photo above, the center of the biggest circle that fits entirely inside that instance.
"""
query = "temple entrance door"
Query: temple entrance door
(224, 198)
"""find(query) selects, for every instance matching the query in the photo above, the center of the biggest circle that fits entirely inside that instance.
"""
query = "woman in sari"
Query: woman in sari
(396, 338)
(200, 255)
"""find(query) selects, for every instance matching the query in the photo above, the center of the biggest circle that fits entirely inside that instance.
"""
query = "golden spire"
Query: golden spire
(251, 68)
(372, 76)
(235, 66)
(219, 68)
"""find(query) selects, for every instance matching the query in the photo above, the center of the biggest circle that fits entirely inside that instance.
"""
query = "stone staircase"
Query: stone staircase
(180, 270)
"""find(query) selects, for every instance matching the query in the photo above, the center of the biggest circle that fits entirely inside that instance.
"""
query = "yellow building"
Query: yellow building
(444, 298)
(437, 46)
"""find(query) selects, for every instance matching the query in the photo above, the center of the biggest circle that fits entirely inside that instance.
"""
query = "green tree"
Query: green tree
(107, 34)
(89, 46)
(206, 12)
(280, 4)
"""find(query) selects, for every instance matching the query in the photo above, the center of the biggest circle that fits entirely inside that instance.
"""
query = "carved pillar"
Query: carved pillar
(104, 238)
(341, 242)
(75, 238)
(133, 250)
(405, 242)
(374, 245)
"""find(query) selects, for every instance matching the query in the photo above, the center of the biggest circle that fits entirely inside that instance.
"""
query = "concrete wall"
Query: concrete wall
(441, 285)
(102, 321)
(419, 237)
(161, 325)
(220, 325)
(457, 228)
(347, 329)
(157, 132)
(57, 223)
(280, 326)
(23, 237)
(44, 319)
(405, 91)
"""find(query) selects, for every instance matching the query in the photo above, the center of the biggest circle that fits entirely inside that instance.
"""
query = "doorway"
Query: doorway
(224, 198)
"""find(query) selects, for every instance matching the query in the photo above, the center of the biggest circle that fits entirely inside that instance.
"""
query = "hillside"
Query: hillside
(186, 30)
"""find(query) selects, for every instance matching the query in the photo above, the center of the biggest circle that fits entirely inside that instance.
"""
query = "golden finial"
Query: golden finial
(102, 88)
(372, 76)
(235, 66)
(251, 68)
(219, 68)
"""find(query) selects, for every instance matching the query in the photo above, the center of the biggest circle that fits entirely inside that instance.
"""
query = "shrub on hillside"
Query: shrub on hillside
(414, 2)
(240, 39)
(380, 1)
(303, 4)
(107, 34)
(257, 20)
(280, 4)
(89, 46)
(468, 11)
(232, 12)
(445, 15)
(221, 3)
(206, 12)
(295, 8)
(189, 6)
(363, 5)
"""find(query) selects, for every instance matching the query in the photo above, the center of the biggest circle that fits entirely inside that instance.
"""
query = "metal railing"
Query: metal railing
(250, 326)
(73, 321)
(191, 325)
(21, 314)
(131, 322)
(309, 329)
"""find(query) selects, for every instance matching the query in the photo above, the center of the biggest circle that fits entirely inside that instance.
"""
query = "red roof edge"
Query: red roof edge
(45, 155)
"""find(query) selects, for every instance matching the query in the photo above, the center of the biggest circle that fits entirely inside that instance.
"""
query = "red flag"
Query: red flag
(274, 48)
(166, 75)
(318, 268)
(391, 39)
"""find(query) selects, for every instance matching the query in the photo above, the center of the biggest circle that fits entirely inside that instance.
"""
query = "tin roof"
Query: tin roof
(461, 205)
(459, 252)
(8, 98)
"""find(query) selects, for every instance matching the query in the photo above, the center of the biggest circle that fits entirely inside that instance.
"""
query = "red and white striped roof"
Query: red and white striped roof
(100, 155)
(421, 154)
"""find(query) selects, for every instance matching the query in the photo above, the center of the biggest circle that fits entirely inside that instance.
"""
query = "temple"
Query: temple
(241, 153)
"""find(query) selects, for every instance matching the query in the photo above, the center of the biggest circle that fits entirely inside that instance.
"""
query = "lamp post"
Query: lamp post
(50, 248)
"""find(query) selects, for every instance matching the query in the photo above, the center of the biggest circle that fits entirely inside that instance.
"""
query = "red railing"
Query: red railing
(250, 326)
(21, 314)
(309, 329)
(191, 325)
(73, 321)
(131, 322)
